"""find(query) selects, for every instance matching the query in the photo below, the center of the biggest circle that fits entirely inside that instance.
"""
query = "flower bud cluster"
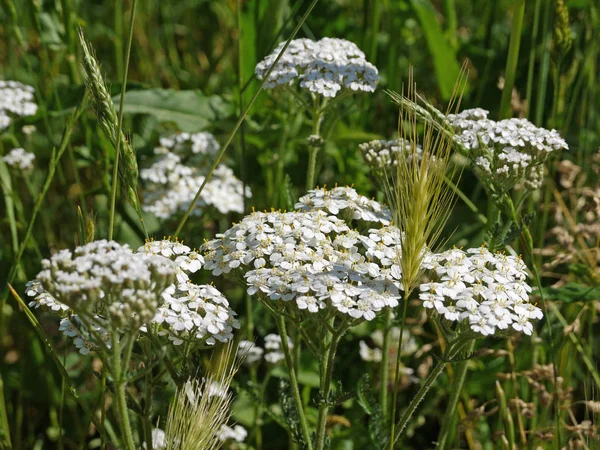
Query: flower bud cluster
(108, 279)
(20, 160)
(488, 291)
(15, 98)
(183, 161)
(381, 154)
(312, 260)
(189, 311)
(507, 151)
(325, 67)
(345, 203)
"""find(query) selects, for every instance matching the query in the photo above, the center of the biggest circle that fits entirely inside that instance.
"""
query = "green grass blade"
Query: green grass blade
(512, 59)
(446, 67)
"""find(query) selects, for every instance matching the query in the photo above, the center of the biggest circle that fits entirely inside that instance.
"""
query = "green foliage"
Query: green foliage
(189, 111)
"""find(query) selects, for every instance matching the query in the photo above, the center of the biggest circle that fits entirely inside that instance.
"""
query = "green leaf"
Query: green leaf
(573, 292)
(191, 111)
(366, 397)
(444, 57)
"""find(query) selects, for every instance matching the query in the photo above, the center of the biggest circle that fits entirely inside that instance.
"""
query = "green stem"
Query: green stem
(327, 375)
(241, 119)
(119, 368)
(313, 150)
(397, 372)
(148, 401)
(460, 374)
(385, 369)
(113, 195)
(452, 349)
(512, 59)
(293, 380)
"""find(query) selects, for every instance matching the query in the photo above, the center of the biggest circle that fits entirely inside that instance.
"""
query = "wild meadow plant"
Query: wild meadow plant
(330, 268)
(319, 75)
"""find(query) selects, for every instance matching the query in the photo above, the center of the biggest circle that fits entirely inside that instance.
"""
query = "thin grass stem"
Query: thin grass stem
(115, 181)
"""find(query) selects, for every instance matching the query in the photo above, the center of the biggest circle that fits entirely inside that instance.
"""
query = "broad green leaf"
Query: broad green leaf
(444, 57)
(191, 111)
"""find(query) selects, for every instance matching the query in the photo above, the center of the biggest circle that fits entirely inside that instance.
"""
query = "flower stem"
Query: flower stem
(327, 375)
(451, 350)
(119, 368)
(385, 370)
(397, 372)
(460, 375)
(293, 380)
(313, 150)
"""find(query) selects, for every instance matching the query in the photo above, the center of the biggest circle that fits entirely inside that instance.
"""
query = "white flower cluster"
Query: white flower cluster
(249, 352)
(409, 346)
(84, 340)
(313, 260)
(382, 154)
(274, 349)
(324, 67)
(104, 278)
(173, 180)
(486, 290)
(346, 203)
(509, 151)
(19, 159)
(190, 311)
(15, 98)
(232, 434)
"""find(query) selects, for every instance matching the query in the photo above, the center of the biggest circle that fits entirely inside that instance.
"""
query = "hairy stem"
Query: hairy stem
(397, 372)
(293, 380)
(327, 375)
(119, 367)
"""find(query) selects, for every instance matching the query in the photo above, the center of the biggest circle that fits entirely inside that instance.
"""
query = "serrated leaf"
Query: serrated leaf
(190, 110)
(366, 397)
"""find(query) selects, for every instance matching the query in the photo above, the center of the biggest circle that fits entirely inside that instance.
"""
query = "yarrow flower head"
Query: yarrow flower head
(188, 311)
(274, 351)
(311, 260)
(237, 433)
(345, 203)
(19, 160)
(508, 151)
(17, 99)
(249, 352)
(487, 291)
(325, 67)
(381, 154)
(106, 278)
(182, 163)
